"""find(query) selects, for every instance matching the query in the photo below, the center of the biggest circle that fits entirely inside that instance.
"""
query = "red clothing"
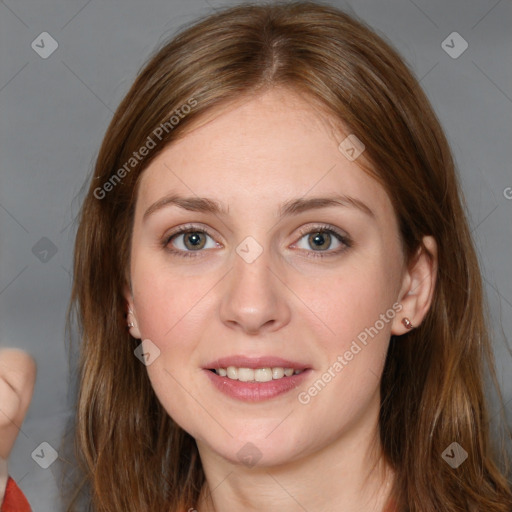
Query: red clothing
(14, 499)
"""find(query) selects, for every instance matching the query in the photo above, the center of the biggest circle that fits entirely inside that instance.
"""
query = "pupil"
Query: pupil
(319, 239)
(195, 239)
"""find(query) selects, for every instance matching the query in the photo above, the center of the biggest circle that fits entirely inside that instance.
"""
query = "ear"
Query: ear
(418, 286)
(131, 316)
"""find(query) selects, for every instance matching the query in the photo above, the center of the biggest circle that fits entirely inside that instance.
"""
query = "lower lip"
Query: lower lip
(256, 391)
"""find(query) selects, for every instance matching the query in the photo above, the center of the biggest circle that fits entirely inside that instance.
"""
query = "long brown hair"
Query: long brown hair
(134, 457)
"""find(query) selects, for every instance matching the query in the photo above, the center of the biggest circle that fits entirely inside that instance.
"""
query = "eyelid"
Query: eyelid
(181, 230)
(341, 236)
(303, 231)
(184, 228)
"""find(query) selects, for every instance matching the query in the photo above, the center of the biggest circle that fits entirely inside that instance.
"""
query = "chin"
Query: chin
(254, 449)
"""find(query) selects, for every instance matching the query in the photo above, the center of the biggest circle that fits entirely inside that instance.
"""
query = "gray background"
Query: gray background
(54, 113)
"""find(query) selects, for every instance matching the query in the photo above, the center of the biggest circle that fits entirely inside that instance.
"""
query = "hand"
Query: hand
(17, 379)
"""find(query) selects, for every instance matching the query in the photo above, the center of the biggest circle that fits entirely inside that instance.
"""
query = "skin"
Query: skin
(252, 156)
(17, 378)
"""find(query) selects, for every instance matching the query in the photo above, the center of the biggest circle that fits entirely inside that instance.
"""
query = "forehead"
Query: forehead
(261, 151)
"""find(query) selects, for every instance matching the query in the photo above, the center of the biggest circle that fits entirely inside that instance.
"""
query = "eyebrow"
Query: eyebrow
(291, 207)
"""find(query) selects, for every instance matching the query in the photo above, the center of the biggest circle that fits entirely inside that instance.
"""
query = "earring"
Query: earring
(131, 324)
(407, 323)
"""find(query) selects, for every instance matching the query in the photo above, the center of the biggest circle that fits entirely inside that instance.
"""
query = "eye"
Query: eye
(322, 238)
(188, 240)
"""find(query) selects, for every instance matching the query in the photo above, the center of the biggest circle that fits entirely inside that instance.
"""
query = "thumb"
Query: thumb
(17, 378)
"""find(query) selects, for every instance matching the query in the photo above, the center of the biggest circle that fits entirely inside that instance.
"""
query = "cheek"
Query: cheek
(354, 300)
(164, 299)
(169, 310)
(357, 309)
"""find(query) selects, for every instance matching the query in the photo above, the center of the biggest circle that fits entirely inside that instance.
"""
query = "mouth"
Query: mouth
(255, 379)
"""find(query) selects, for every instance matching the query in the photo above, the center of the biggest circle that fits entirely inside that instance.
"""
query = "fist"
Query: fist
(17, 378)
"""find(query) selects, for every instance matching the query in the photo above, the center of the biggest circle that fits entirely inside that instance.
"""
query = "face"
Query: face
(271, 280)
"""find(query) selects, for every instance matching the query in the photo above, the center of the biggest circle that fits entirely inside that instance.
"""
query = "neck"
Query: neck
(347, 475)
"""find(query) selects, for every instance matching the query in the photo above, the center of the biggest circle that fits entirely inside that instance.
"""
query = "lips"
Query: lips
(254, 363)
(256, 391)
(248, 390)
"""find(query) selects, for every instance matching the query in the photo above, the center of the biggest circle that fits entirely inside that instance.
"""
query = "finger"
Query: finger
(10, 402)
(17, 379)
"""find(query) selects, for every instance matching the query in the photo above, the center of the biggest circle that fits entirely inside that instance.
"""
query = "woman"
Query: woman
(280, 303)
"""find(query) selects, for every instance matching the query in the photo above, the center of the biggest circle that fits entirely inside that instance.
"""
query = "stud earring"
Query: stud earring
(131, 324)
(407, 323)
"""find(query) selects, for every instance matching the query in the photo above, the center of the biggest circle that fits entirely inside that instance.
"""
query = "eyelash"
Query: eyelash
(320, 228)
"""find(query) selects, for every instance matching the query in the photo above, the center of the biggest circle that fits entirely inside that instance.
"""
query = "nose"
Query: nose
(255, 300)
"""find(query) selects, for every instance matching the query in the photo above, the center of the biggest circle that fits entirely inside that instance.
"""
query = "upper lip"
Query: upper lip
(255, 362)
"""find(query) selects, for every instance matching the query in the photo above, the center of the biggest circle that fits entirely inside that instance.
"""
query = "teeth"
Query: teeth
(232, 372)
(245, 374)
(277, 373)
(263, 374)
(258, 375)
